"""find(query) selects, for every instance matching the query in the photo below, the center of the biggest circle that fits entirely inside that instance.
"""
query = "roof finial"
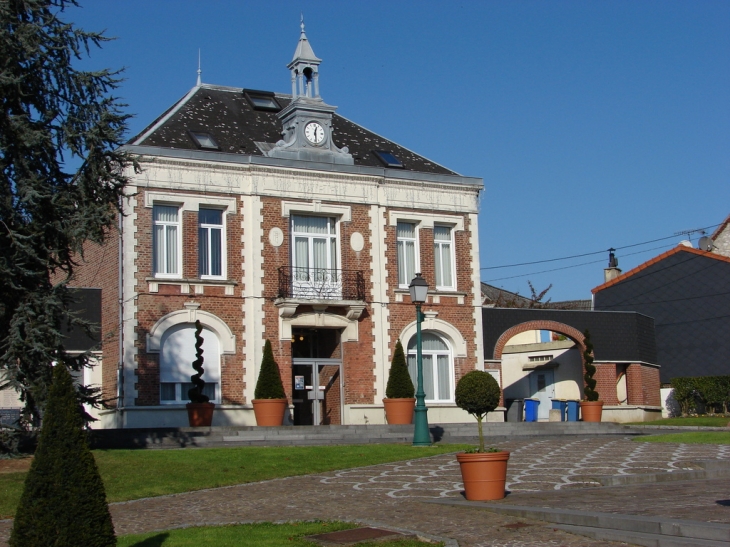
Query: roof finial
(302, 23)
(199, 71)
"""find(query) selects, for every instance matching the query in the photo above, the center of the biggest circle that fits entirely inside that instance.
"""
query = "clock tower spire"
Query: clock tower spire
(307, 120)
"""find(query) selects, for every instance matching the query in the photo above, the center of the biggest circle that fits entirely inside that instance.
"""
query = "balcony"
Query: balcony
(321, 284)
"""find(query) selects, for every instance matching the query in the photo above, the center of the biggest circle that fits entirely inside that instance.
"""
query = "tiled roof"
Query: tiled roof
(500, 298)
(656, 259)
(225, 114)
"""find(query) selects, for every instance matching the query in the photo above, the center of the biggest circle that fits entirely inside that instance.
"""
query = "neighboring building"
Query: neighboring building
(269, 216)
(721, 238)
(687, 292)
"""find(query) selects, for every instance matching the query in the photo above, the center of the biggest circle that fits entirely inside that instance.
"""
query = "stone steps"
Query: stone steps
(337, 434)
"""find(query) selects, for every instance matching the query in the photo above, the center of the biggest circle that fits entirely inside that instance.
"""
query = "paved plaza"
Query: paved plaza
(557, 471)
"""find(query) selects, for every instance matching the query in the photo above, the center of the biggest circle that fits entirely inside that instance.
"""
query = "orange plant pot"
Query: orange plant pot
(484, 474)
(269, 412)
(591, 411)
(399, 411)
(200, 414)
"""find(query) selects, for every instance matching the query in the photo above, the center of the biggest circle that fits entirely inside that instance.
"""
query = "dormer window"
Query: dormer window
(262, 100)
(388, 159)
(204, 140)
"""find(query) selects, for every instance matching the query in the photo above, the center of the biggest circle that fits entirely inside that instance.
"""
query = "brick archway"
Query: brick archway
(561, 328)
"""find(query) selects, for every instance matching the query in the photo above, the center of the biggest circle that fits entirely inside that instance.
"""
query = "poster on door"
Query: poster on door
(298, 382)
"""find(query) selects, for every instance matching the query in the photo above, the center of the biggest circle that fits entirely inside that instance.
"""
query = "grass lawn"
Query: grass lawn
(701, 421)
(134, 474)
(688, 437)
(252, 535)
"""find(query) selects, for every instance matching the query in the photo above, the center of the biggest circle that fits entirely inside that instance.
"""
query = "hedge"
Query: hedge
(712, 392)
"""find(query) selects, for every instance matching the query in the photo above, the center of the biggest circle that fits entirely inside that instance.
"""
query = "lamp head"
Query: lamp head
(418, 289)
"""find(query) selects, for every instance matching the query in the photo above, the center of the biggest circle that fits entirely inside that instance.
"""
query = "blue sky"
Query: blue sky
(594, 124)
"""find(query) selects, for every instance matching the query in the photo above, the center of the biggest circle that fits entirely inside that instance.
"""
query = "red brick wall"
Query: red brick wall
(643, 385)
(605, 378)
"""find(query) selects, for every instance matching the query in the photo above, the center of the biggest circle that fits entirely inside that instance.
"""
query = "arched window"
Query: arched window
(437, 367)
(176, 364)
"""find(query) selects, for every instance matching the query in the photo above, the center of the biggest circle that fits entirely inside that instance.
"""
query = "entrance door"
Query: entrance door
(542, 384)
(317, 391)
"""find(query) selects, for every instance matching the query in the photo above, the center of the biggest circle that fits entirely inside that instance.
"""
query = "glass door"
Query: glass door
(317, 392)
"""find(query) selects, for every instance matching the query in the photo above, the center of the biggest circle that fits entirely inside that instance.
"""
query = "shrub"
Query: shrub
(710, 392)
(195, 393)
(478, 393)
(268, 385)
(685, 393)
(63, 502)
(590, 389)
(400, 384)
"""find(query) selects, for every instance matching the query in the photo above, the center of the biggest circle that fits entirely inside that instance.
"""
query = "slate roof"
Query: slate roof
(500, 298)
(228, 117)
(687, 292)
(616, 336)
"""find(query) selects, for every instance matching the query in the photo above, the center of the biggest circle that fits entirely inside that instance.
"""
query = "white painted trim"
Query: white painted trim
(426, 220)
(381, 312)
(476, 289)
(129, 283)
(319, 320)
(189, 202)
(252, 268)
(447, 330)
(343, 212)
(226, 338)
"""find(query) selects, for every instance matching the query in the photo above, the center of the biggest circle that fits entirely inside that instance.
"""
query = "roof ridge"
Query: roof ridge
(659, 258)
(162, 119)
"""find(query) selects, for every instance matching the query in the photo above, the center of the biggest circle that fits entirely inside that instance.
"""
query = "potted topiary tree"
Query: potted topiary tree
(200, 409)
(483, 471)
(591, 408)
(399, 401)
(270, 402)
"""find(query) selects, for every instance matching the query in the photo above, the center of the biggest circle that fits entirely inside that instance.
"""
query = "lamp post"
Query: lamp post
(421, 437)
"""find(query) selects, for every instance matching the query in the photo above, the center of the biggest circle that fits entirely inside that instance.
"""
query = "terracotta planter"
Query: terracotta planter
(399, 411)
(269, 411)
(200, 414)
(590, 411)
(484, 474)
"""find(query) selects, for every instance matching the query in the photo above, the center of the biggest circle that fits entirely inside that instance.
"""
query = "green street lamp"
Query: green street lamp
(421, 436)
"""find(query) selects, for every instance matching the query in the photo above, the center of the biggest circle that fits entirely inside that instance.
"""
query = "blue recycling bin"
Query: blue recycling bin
(562, 406)
(531, 409)
(573, 409)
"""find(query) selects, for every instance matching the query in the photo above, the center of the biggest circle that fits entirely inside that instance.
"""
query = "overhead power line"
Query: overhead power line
(585, 254)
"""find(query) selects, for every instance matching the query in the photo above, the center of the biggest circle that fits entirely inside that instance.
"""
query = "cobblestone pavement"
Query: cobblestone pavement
(536, 465)
(392, 494)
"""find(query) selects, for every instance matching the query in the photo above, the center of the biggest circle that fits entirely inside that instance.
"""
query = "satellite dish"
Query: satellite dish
(705, 243)
(686, 243)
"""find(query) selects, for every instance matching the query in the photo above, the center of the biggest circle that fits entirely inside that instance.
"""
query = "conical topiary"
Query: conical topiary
(400, 385)
(63, 502)
(590, 389)
(268, 385)
(195, 393)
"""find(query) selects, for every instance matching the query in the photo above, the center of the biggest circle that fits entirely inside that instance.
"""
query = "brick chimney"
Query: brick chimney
(613, 271)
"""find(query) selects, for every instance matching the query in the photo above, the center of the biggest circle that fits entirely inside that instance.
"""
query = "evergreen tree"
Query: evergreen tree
(268, 385)
(400, 384)
(61, 184)
(63, 502)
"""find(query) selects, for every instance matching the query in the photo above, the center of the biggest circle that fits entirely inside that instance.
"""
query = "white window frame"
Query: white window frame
(309, 288)
(434, 362)
(400, 242)
(182, 398)
(223, 250)
(438, 245)
(178, 224)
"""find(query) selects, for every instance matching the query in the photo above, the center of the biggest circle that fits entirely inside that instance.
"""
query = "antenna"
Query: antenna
(199, 71)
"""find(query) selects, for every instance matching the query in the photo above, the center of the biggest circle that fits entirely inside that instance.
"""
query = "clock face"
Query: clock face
(314, 132)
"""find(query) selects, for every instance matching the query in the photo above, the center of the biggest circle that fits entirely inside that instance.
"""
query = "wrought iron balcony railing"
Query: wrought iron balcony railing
(321, 284)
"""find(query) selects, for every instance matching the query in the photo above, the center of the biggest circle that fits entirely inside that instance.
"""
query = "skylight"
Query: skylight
(204, 140)
(387, 158)
(262, 100)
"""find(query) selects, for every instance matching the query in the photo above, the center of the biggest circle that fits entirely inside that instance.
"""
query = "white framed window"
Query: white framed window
(176, 364)
(407, 248)
(443, 256)
(166, 241)
(211, 249)
(315, 257)
(438, 367)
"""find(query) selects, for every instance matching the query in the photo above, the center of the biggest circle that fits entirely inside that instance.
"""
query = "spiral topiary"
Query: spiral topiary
(268, 385)
(195, 393)
(590, 389)
(400, 384)
(478, 393)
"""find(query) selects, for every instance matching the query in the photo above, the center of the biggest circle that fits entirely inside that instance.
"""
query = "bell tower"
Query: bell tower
(307, 120)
